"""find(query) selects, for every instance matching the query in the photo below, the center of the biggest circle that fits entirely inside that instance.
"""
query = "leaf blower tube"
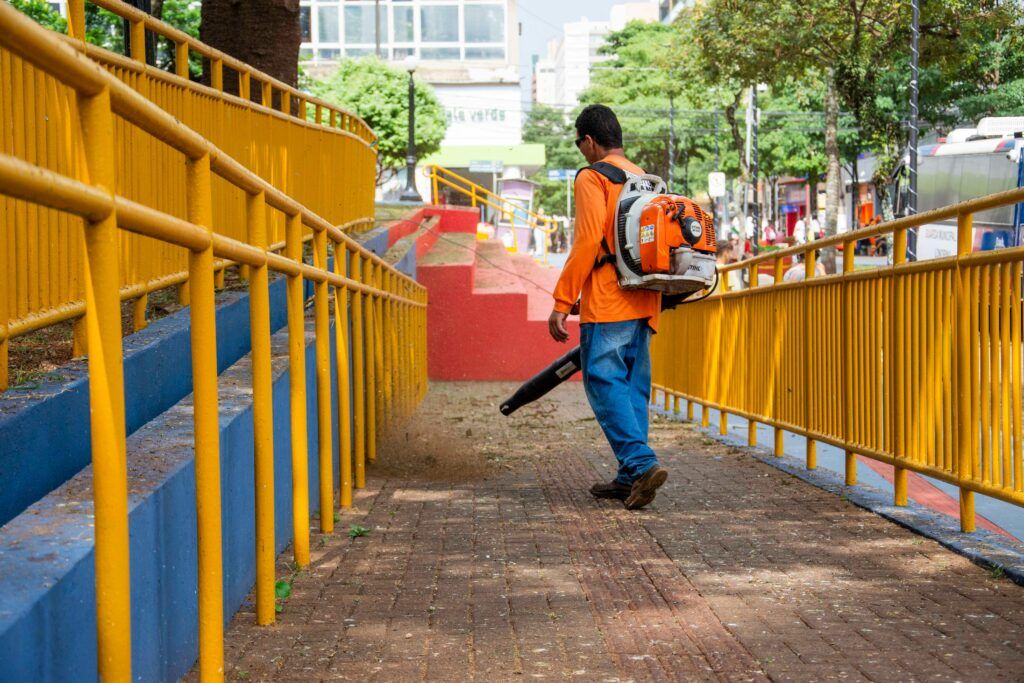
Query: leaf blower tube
(571, 363)
(543, 382)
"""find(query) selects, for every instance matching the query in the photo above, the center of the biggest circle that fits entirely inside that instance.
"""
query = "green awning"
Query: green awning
(460, 156)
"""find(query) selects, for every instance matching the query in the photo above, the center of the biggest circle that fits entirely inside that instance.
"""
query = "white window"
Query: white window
(361, 25)
(439, 24)
(327, 23)
(404, 23)
(485, 23)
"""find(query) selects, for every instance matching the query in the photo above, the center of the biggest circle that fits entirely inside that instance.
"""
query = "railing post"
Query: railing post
(751, 422)
(106, 400)
(217, 74)
(202, 315)
(5, 319)
(341, 337)
(810, 268)
(849, 321)
(244, 87)
(777, 364)
(966, 423)
(723, 417)
(325, 447)
(76, 19)
(297, 385)
(181, 66)
(262, 412)
(380, 379)
(359, 373)
(369, 332)
(899, 256)
(139, 306)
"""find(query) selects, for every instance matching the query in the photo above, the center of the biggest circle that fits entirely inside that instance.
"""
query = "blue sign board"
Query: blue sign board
(561, 173)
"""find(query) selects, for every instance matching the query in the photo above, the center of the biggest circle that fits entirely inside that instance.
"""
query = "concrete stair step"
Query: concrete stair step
(539, 281)
(496, 271)
(451, 249)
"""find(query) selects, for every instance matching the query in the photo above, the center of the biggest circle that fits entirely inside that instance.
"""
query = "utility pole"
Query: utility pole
(671, 141)
(915, 33)
(753, 167)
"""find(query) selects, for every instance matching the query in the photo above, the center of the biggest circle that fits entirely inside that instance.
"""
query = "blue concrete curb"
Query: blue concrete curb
(982, 547)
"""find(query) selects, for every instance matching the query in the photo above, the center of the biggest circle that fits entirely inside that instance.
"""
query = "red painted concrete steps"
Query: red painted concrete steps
(487, 317)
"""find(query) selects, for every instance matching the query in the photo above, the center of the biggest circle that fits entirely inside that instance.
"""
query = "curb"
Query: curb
(984, 548)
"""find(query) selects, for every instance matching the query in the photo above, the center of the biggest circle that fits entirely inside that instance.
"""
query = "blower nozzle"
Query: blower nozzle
(544, 381)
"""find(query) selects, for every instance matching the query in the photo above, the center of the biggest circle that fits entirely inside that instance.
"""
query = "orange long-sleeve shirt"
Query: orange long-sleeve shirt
(603, 301)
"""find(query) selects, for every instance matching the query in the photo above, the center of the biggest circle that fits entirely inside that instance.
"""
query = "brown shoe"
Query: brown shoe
(646, 487)
(612, 489)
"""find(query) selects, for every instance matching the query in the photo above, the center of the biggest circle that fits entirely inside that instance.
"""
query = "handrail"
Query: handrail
(183, 42)
(507, 208)
(388, 333)
(1013, 196)
(914, 364)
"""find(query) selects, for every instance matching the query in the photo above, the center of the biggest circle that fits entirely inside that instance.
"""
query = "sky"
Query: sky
(542, 20)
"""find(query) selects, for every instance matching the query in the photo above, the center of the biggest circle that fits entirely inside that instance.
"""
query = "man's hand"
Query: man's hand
(556, 326)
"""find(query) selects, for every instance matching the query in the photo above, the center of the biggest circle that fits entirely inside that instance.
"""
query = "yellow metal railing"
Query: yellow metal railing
(387, 313)
(479, 195)
(42, 280)
(917, 365)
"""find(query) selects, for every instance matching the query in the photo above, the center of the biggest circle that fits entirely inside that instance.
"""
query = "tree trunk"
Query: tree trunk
(832, 178)
(262, 33)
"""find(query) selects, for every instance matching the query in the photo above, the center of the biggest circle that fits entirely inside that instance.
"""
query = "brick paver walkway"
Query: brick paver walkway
(488, 560)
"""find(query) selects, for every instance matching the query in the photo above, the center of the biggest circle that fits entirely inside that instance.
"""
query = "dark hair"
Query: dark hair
(600, 123)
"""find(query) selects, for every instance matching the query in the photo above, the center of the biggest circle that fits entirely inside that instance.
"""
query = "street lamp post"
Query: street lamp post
(915, 31)
(409, 194)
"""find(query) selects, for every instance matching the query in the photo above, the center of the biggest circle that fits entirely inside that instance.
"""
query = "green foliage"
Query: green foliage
(283, 589)
(553, 128)
(378, 93)
(355, 531)
(971, 58)
(106, 29)
(41, 12)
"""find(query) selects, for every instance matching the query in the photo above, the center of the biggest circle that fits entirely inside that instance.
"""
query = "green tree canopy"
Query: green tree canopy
(552, 127)
(379, 93)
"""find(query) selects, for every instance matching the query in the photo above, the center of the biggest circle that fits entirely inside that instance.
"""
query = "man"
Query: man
(615, 324)
(800, 231)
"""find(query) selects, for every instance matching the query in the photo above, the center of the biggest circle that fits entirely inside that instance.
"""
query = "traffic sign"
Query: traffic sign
(716, 184)
(487, 166)
(561, 173)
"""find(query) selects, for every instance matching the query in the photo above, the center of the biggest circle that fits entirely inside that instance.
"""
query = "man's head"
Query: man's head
(598, 133)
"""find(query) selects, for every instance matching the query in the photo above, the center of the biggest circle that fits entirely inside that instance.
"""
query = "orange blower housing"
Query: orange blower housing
(668, 222)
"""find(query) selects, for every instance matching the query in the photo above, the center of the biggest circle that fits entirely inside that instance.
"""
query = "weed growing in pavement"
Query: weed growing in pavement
(337, 517)
(282, 591)
(355, 531)
(997, 572)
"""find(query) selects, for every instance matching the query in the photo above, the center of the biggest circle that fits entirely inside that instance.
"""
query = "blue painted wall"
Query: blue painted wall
(153, 379)
(47, 609)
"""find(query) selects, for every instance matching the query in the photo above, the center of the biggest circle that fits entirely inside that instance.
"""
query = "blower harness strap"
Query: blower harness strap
(616, 176)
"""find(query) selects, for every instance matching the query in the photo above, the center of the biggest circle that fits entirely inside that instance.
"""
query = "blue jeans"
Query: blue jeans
(617, 378)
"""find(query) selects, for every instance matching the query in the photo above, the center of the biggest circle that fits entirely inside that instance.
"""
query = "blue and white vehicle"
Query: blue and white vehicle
(967, 164)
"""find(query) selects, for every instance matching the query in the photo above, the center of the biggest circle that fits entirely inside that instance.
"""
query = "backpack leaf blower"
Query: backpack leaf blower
(664, 242)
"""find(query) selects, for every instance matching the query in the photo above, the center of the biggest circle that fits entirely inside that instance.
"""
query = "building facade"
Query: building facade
(468, 50)
(564, 72)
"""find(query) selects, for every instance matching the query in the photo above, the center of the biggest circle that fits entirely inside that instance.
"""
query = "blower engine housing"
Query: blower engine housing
(663, 241)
